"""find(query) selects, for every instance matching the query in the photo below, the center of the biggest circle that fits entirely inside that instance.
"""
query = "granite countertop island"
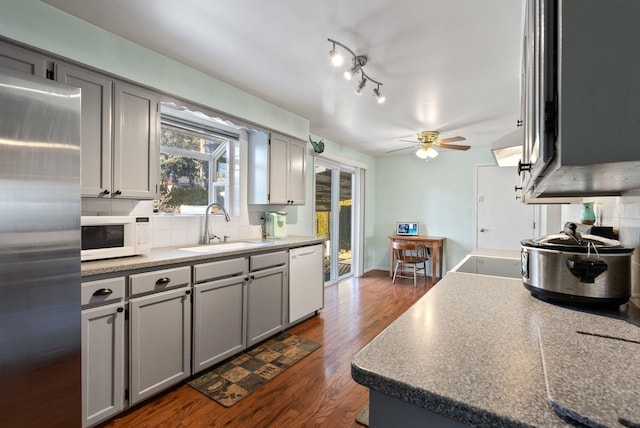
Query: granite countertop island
(480, 350)
(159, 257)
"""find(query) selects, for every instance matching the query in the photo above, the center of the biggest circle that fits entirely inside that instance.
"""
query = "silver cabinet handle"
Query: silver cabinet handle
(103, 292)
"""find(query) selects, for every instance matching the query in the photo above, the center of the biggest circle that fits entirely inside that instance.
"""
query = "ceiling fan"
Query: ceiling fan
(428, 139)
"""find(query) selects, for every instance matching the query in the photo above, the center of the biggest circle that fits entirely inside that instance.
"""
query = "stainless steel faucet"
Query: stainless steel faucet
(206, 236)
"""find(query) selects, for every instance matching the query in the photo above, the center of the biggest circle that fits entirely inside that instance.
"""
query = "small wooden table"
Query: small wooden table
(437, 251)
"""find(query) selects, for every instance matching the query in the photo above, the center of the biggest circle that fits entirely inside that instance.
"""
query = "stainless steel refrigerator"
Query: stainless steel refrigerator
(40, 364)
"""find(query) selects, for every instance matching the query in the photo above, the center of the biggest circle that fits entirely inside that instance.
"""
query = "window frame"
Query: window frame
(212, 158)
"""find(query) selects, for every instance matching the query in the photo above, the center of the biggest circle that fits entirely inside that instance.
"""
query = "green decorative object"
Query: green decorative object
(587, 216)
(318, 146)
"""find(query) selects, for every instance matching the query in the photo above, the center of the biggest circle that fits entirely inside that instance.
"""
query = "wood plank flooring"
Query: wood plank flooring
(316, 392)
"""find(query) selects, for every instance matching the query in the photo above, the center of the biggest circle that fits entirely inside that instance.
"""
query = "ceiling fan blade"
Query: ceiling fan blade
(453, 146)
(450, 140)
(397, 150)
(410, 141)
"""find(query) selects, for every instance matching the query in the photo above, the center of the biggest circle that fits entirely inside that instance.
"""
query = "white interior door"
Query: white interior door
(502, 220)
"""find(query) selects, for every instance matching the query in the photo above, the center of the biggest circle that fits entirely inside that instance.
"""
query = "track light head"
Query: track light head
(361, 86)
(351, 71)
(336, 57)
(379, 97)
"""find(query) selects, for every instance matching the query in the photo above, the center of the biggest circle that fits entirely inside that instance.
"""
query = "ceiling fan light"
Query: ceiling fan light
(422, 153)
(379, 97)
(336, 57)
(431, 152)
(361, 86)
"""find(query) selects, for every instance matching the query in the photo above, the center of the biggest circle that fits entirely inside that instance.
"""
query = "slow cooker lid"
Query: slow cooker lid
(571, 241)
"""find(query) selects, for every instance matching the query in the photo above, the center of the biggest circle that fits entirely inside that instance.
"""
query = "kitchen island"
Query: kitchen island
(480, 350)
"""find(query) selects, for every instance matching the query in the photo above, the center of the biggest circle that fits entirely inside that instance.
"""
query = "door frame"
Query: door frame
(357, 218)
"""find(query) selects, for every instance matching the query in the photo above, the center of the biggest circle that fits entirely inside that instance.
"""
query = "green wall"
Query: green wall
(439, 194)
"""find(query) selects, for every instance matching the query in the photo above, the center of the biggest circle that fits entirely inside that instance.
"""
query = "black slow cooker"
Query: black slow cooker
(571, 267)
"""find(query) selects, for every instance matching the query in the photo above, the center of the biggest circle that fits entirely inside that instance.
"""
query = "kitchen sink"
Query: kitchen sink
(229, 246)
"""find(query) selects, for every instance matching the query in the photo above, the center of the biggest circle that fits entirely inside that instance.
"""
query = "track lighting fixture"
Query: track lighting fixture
(357, 66)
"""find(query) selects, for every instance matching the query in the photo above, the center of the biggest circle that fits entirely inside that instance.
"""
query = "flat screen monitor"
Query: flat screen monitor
(407, 228)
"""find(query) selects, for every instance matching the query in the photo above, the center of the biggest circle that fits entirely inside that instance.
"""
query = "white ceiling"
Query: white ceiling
(446, 65)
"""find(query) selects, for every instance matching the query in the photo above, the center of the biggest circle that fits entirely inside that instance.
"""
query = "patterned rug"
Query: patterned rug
(234, 379)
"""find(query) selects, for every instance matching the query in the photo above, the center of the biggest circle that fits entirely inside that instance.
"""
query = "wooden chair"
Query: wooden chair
(411, 258)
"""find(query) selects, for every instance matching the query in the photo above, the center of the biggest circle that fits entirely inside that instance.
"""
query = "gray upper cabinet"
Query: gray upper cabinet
(136, 149)
(278, 170)
(97, 91)
(582, 111)
(120, 151)
(22, 60)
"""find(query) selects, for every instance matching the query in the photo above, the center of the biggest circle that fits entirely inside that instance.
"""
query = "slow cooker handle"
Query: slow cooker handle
(586, 270)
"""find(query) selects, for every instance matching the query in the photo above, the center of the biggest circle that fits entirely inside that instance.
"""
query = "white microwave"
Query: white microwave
(107, 237)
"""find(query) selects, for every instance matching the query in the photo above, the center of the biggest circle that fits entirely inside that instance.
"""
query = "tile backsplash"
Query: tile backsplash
(623, 214)
(179, 230)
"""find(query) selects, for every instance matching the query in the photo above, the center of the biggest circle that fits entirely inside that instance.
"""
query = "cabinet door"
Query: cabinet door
(218, 321)
(265, 302)
(102, 363)
(96, 127)
(160, 342)
(296, 180)
(278, 169)
(20, 59)
(136, 151)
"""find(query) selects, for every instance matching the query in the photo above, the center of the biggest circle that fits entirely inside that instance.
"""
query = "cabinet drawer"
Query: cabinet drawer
(220, 269)
(263, 261)
(102, 291)
(158, 280)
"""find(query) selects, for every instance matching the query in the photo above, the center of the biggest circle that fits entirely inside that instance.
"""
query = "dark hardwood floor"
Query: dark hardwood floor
(316, 392)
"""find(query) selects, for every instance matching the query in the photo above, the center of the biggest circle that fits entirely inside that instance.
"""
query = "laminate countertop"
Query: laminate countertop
(161, 257)
(481, 350)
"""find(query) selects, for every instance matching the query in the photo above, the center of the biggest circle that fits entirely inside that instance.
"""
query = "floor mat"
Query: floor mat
(234, 379)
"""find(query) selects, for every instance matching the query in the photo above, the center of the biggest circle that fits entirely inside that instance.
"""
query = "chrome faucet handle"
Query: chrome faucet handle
(226, 238)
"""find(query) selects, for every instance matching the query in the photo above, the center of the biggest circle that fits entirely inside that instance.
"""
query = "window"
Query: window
(194, 167)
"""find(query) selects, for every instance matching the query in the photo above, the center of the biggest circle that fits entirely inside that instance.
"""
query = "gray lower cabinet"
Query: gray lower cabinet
(218, 321)
(103, 350)
(159, 333)
(266, 295)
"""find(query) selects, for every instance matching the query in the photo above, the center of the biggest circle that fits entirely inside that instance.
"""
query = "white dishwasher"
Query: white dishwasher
(306, 281)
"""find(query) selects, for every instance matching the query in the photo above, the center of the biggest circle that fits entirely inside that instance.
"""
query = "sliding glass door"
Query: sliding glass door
(334, 220)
